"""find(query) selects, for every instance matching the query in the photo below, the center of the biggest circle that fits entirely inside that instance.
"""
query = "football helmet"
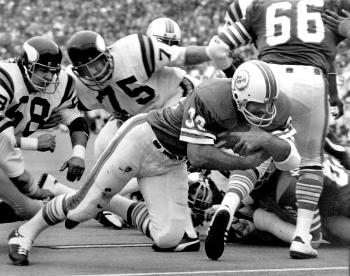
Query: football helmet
(40, 63)
(91, 60)
(200, 196)
(165, 30)
(255, 89)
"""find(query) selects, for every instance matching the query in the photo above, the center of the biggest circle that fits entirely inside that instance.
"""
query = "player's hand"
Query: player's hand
(47, 142)
(75, 166)
(337, 23)
(250, 141)
(336, 108)
(42, 194)
(54, 120)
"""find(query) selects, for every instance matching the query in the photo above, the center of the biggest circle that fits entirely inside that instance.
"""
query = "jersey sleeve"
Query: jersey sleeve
(6, 97)
(68, 107)
(156, 55)
(236, 11)
(194, 119)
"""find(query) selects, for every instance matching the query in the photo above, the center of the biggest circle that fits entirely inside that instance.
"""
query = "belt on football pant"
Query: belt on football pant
(317, 71)
(172, 156)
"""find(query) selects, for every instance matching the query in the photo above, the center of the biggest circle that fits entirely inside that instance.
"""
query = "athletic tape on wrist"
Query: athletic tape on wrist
(79, 151)
(29, 143)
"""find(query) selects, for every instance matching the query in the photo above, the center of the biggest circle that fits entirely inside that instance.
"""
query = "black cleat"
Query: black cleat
(187, 244)
(19, 247)
(217, 234)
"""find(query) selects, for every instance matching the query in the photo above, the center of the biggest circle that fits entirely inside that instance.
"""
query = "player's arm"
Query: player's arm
(337, 106)
(79, 134)
(221, 46)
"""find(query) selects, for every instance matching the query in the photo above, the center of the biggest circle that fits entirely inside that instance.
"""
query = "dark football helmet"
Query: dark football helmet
(91, 60)
(41, 55)
(200, 195)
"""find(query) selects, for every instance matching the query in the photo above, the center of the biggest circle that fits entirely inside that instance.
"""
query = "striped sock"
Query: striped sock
(138, 217)
(309, 187)
(55, 210)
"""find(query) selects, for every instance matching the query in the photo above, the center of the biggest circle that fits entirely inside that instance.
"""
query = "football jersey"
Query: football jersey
(26, 111)
(286, 32)
(236, 11)
(208, 111)
(141, 80)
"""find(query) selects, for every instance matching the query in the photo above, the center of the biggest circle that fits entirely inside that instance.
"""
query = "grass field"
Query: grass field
(92, 249)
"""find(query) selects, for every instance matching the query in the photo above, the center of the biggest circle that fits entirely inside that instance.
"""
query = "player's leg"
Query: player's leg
(23, 206)
(241, 183)
(310, 119)
(113, 164)
(106, 135)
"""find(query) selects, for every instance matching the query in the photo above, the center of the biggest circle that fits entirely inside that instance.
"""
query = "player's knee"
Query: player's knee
(169, 236)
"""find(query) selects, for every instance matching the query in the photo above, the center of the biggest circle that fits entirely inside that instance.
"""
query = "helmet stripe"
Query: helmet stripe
(169, 26)
(270, 81)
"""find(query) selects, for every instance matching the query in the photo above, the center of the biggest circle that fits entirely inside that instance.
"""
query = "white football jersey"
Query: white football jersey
(141, 80)
(27, 111)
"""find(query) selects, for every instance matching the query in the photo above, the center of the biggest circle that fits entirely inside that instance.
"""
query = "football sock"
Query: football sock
(52, 213)
(138, 217)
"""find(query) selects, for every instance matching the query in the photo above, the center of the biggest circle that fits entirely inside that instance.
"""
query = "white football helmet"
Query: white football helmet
(255, 89)
(165, 30)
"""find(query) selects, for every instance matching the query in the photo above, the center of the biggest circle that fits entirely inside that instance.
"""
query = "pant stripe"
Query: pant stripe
(74, 201)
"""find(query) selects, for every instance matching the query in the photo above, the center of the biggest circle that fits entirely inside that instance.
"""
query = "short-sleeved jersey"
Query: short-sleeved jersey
(286, 32)
(208, 111)
(141, 81)
(26, 111)
(236, 11)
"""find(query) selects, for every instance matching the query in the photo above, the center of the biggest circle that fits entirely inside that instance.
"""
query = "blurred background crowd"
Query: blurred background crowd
(199, 20)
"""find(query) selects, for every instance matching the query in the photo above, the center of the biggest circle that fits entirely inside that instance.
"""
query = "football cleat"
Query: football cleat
(301, 250)
(110, 219)
(217, 234)
(70, 224)
(187, 244)
(19, 247)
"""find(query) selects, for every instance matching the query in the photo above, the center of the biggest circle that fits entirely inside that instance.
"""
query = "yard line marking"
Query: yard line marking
(78, 246)
(226, 271)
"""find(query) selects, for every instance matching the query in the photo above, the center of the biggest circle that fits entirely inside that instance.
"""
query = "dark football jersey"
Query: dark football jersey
(208, 111)
(287, 32)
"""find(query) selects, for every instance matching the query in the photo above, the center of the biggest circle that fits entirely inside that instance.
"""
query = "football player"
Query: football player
(133, 75)
(138, 74)
(281, 47)
(32, 87)
(154, 148)
(276, 208)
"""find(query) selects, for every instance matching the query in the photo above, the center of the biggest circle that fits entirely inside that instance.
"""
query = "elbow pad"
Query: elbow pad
(292, 161)
(79, 124)
(219, 52)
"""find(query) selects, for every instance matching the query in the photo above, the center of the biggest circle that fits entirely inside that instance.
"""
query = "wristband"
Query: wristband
(79, 151)
(29, 143)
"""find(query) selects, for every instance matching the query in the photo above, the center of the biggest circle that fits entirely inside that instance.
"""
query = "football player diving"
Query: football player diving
(154, 148)
(32, 88)
(305, 84)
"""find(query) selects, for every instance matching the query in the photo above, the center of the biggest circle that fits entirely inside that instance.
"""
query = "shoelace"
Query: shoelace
(22, 251)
